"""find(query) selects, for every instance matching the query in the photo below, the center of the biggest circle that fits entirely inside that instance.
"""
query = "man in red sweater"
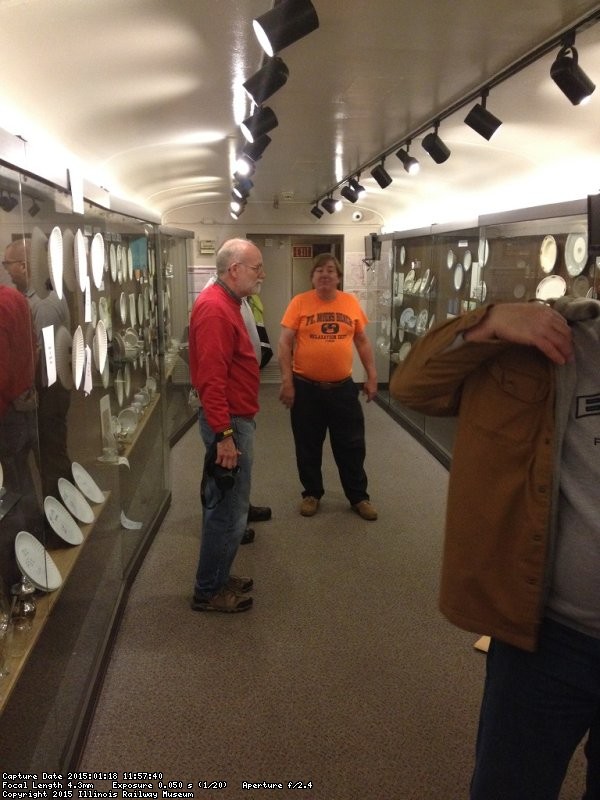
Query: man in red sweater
(224, 371)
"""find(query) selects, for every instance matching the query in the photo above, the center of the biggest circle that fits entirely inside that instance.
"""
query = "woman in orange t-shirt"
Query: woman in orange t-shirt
(319, 330)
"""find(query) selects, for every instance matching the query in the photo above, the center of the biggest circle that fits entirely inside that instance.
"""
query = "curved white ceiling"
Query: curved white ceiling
(147, 95)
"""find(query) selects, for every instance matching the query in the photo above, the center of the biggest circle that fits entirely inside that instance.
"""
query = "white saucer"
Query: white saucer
(75, 501)
(35, 563)
(86, 483)
(61, 521)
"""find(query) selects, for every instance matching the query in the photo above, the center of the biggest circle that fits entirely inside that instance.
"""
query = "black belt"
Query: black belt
(322, 384)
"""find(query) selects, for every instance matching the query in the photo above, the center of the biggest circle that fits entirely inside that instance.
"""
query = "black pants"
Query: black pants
(317, 410)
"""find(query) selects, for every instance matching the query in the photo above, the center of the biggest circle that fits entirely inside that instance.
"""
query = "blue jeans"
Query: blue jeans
(537, 708)
(224, 517)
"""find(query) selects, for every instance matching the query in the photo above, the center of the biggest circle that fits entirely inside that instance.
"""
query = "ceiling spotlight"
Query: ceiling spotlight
(481, 120)
(358, 188)
(244, 167)
(8, 203)
(34, 209)
(436, 148)
(284, 24)
(568, 75)
(241, 188)
(329, 204)
(411, 164)
(316, 211)
(381, 175)
(349, 193)
(269, 78)
(262, 121)
(255, 149)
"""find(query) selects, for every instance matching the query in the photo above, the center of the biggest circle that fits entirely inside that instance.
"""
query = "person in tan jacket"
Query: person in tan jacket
(521, 556)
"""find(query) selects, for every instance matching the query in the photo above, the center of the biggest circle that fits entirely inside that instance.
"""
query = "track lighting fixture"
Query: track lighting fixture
(316, 211)
(481, 120)
(436, 148)
(34, 209)
(255, 149)
(329, 204)
(244, 168)
(269, 78)
(241, 188)
(261, 122)
(236, 208)
(410, 163)
(568, 75)
(8, 202)
(350, 194)
(358, 188)
(381, 175)
(286, 23)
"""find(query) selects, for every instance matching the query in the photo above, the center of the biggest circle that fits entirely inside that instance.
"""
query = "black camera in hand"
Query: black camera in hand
(223, 478)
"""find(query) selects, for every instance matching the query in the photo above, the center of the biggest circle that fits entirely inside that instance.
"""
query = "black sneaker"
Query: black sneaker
(226, 601)
(259, 513)
(248, 536)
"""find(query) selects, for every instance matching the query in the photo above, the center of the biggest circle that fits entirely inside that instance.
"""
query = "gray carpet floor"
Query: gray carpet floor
(343, 674)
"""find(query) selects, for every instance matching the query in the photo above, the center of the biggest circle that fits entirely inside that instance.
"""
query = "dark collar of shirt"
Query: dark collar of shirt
(229, 291)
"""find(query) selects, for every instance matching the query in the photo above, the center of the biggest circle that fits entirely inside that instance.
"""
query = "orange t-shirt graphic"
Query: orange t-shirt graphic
(324, 334)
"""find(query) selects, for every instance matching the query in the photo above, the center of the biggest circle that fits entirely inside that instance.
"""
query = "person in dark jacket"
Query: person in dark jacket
(522, 548)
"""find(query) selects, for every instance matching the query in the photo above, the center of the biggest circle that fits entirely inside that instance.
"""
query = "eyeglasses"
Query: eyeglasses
(254, 269)
(13, 261)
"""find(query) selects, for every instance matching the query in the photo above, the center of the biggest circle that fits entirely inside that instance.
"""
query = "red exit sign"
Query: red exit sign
(302, 251)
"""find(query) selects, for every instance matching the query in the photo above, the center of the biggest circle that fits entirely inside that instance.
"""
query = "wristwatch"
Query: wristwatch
(224, 434)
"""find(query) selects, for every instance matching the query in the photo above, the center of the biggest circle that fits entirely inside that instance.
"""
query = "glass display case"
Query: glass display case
(428, 276)
(84, 432)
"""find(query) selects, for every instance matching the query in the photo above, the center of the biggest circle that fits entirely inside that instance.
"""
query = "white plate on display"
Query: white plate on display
(81, 259)
(97, 258)
(450, 259)
(576, 253)
(123, 307)
(483, 251)
(106, 375)
(127, 381)
(409, 280)
(75, 501)
(100, 347)
(119, 389)
(467, 260)
(402, 255)
(130, 263)
(550, 287)
(61, 521)
(55, 260)
(422, 321)
(140, 308)
(132, 310)
(408, 318)
(425, 280)
(548, 253)
(69, 275)
(458, 276)
(86, 483)
(78, 357)
(404, 351)
(63, 342)
(35, 563)
(112, 257)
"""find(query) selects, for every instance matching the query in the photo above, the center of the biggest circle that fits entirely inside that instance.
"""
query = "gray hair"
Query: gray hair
(229, 252)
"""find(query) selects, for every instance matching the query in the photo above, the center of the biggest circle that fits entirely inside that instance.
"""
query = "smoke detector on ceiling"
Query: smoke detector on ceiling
(287, 195)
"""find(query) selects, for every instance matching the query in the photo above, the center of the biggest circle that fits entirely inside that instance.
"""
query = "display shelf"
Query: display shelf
(65, 559)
